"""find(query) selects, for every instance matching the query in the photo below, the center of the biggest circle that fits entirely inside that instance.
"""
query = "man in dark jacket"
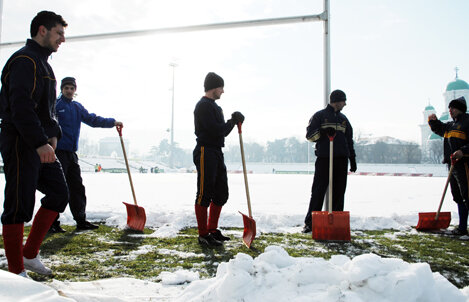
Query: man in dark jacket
(28, 138)
(456, 148)
(212, 182)
(71, 114)
(330, 122)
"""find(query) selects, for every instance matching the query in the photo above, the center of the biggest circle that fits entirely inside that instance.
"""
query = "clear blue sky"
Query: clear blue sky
(391, 57)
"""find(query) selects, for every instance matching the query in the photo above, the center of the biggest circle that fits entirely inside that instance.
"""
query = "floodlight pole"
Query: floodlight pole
(171, 158)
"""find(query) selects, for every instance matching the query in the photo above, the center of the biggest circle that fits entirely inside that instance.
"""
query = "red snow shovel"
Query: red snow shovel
(328, 225)
(436, 221)
(136, 217)
(249, 224)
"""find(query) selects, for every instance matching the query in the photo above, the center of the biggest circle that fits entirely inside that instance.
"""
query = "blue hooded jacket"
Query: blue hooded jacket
(70, 115)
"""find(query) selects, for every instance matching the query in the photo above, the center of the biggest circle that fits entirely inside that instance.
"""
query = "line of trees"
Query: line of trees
(386, 153)
(291, 150)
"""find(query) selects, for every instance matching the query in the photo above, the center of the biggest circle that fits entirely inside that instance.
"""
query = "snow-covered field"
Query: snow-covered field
(279, 203)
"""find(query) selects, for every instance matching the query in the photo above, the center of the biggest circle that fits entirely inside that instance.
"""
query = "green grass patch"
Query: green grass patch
(111, 252)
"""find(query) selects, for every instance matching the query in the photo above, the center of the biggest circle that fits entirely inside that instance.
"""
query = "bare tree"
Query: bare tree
(435, 148)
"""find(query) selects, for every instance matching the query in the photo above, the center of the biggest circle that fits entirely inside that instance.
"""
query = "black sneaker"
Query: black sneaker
(219, 236)
(306, 229)
(458, 232)
(86, 225)
(208, 240)
(56, 228)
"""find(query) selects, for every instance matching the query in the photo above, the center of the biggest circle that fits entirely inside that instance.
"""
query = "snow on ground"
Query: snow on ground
(279, 203)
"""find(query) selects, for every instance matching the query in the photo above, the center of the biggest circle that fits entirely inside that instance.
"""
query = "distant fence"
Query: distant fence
(361, 173)
(392, 174)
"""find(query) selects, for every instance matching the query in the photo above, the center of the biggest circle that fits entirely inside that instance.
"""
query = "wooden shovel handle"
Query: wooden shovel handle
(119, 130)
(244, 169)
(331, 164)
(444, 191)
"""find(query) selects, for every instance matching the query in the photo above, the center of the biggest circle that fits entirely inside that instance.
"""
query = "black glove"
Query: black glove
(353, 164)
(237, 117)
(329, 131)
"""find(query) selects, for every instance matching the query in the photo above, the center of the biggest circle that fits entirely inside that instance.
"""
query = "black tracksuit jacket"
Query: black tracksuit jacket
(210, 126)
(455, 135)
(28, 95)
(343, 140)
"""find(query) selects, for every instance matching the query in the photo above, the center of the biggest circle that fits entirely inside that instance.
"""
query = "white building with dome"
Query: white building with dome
(454, 90)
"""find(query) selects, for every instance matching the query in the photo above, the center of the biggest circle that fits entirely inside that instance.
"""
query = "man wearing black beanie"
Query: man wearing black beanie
(212, 180)
(324, 123)
(456, 152)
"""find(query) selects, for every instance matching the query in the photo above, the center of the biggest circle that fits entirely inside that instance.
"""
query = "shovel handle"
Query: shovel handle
(444, 191)
(119, 130)
(331, 160)
(244, 169)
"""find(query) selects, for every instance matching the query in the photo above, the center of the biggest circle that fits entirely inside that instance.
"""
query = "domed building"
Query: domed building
(430, 141)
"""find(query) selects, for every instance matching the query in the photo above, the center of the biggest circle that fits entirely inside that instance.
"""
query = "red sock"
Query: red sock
(13, 244)
(41, 224)
(213, 217)
(201, 215)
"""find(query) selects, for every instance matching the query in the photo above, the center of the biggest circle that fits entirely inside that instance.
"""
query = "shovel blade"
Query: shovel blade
(136, 217)
(331, 226)
(249, 230)
(427, 221)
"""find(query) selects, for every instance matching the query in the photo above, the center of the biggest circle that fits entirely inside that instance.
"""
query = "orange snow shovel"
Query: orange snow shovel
(249, 224)
(136, 217)
(436, 221)
(328, 225)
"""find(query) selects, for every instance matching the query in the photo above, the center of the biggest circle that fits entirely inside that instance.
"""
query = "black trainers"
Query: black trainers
(219, 236)
(86, 225)
(208, 240)
(458, 232)
(56, 229)
(306, 229)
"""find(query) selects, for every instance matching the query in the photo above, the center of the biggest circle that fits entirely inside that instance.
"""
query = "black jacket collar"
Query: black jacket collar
(44, 52)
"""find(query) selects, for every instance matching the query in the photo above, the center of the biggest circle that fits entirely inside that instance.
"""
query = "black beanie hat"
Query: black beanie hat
(68, 81)
(337, 96)
(459, 103)
(213, 80)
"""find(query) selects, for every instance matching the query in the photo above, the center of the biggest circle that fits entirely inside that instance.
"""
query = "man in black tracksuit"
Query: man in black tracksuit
(212, 181)
(27, 141)
(456, 148)
(329, 122)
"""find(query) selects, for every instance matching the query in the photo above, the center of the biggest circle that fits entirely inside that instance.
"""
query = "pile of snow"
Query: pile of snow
(275, 276)
(272, 276)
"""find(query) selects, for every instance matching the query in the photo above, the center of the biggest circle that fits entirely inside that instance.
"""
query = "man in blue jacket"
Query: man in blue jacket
(324, 123)
(27, 142)
(70, 115)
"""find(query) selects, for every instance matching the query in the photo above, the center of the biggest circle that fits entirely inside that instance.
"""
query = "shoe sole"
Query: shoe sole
(40, 272)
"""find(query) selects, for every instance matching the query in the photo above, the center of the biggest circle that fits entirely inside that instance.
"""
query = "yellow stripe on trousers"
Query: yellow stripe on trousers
(467, 179)
(201, 165)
